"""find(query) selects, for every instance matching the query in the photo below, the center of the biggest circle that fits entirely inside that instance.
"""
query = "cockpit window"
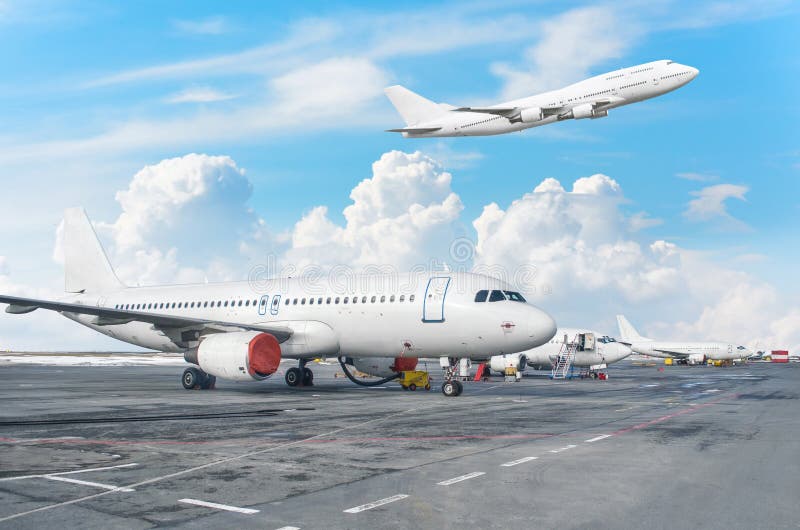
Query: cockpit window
(605, 339)
(514, 296)
(480, 296)
(497, 296)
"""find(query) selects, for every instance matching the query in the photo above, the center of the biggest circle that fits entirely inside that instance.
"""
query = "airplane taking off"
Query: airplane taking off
(240, 331)
(590, 98)
(594, 351)
(692, 352)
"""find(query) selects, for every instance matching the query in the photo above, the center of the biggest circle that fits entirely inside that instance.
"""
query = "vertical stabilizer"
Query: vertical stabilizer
(627, 331)
(86, 266)
(412, 107)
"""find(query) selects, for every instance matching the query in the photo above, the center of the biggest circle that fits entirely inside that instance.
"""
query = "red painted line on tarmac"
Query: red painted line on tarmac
(674, 415)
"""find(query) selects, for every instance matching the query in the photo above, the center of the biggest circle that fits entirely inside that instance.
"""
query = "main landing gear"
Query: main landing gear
(196, 379)
(300, 376)
(451, 387)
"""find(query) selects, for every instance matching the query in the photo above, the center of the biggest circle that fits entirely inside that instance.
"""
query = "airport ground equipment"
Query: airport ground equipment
(562, 368)
(482, 372)
(512, 375)
(366, 383)
(414, 379)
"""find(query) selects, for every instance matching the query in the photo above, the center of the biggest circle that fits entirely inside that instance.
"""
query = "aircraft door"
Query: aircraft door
(433, 304)
(588, 341)
(262, 305)
(276, 304)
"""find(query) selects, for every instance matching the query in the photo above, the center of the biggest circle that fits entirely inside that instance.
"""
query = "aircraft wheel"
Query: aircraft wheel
(449, 388)
(308, 377)
(459, 387)
(293, 376)
(191, 378)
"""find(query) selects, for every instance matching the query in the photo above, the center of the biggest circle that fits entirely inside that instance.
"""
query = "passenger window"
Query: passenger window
(226, 303)
(336, 301)
(391, 298)
(294, 301)
(303, 301)
(383, 299)
(355, 299)
(310, 301)
(373, 299)
(496, 296)
(328, 300)
(481, 296)
(364, 300)
(240, 303)
(247, 303)
(345, 299)
(411, 298)
(402, 298)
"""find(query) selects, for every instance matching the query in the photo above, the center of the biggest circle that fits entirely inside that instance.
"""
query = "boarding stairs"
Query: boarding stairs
(562, 369)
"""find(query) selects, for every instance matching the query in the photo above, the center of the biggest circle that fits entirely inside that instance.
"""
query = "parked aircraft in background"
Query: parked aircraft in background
(695, 352)
(238, 332)
(590, 98)
(594, 351)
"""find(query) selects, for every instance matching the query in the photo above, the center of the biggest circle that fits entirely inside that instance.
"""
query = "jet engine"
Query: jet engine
(383, 366)
(531, 115)
(499, 363)
(586, 110)
(239, 355)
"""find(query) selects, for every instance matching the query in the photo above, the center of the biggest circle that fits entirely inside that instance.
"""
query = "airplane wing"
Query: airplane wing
(414, 130)
(174, 327)
(673, 353)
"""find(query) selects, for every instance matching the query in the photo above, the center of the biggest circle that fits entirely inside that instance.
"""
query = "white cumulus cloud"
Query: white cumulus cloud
(710, 204)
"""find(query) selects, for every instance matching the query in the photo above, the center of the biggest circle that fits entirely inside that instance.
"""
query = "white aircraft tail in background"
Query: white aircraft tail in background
(628, 332)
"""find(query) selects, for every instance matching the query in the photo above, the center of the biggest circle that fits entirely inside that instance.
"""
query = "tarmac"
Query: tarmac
(652, 447)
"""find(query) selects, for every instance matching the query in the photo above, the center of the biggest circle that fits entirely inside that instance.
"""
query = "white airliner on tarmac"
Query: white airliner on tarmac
(594, 351)
(240, 332)
(590, 98)
(696, 352)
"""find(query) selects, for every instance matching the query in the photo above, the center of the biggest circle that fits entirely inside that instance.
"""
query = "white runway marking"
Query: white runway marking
(68, 472)
(375, 504)
(461, 478)
(520, 461)
(598, 438)
(247, 511)
(289, 528)
(87, 483)
(565, 448)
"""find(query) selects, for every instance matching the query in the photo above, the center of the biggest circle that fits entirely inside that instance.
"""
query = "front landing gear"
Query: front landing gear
(300, 376)
(196, 379)
(451, 387)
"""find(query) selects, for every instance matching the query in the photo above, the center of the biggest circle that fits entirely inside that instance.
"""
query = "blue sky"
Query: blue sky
(93, 92)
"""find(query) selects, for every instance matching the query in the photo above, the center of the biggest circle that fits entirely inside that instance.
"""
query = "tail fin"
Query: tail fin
(627, 331)
(86, 266)
(412, 107)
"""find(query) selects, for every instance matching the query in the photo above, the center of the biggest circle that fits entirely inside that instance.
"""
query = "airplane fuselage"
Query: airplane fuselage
(718, 351)
(604, 351)
(602, 93)
(379, 316)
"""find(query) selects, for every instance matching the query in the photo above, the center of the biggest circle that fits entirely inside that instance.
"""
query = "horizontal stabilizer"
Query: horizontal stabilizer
(414, 130)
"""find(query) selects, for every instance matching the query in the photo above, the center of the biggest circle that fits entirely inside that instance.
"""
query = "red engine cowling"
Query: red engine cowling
(384, 366)
(239, 355)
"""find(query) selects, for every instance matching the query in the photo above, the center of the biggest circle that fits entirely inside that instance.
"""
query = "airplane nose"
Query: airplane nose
(541, 327)
(622, 351)
(694, 71)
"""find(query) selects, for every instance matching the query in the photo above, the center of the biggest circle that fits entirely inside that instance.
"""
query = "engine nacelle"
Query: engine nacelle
(384, 366)
(499, 363)
(239, 355)
(697, 358)
(531, 115)
(587, 110)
